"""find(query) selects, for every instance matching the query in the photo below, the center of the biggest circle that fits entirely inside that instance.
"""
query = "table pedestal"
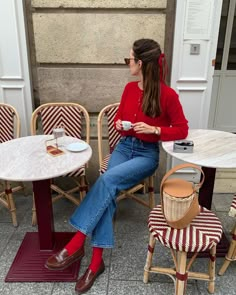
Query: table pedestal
(28, 265)
(206, 191)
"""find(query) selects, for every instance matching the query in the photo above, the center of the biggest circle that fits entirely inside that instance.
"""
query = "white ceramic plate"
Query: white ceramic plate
(77, 146)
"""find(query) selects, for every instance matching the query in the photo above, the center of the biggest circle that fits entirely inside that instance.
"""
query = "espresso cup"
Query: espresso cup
(126, 125)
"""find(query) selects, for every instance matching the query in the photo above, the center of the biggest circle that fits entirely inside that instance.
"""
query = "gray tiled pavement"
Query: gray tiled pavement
(124, 264)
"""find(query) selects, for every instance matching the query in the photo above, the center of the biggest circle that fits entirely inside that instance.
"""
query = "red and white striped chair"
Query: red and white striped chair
(204, 233)
(107, 140)
(9, 129)
(231, 255)
(73, 117)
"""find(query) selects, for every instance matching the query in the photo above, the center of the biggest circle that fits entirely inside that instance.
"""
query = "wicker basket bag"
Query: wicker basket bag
(179, 198)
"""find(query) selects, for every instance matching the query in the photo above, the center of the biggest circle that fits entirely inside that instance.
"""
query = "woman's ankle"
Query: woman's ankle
(96, 260)
(76, 243)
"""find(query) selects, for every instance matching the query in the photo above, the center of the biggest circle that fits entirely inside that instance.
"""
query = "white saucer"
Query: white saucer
(77, 146)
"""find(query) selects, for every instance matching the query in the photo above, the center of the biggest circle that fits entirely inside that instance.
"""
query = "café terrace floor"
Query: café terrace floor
(124, 264)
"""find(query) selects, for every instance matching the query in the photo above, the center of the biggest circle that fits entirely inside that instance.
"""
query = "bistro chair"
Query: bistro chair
(106, 144)
(71, 116)
(9, 129)
(231, 255)
(203, 234)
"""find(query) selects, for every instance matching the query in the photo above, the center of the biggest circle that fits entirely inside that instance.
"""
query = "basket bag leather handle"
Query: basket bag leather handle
(193, 209)
(181, 166)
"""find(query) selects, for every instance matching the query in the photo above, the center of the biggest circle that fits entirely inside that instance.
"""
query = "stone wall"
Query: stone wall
(78, 46)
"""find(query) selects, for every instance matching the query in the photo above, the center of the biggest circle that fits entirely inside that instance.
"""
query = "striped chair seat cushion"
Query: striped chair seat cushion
(232, 211)
(203, 233)
(104, 164)
(76, 173)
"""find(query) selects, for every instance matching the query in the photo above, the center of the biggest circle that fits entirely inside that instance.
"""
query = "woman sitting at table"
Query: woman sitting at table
(156, 114)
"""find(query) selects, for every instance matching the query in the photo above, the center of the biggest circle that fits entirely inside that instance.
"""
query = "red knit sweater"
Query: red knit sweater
(172, 121)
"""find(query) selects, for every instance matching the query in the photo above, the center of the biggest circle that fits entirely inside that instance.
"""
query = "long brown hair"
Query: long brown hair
(149, 51)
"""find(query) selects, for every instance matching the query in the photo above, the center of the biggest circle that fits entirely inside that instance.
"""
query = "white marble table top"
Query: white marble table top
(212, 148)
(26, 159)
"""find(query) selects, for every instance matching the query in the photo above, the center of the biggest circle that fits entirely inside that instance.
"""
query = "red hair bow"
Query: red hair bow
(163, 67)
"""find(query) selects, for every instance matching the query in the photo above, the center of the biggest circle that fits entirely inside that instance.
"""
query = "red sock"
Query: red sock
(75, 243)
(96, 259)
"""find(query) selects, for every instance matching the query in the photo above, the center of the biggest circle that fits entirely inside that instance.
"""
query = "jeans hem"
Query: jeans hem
(78, 228)
(102, 246)
(92, 244)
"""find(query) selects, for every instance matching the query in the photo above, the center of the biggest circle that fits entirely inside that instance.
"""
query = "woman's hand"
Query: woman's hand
(119, 125)
(141, 127)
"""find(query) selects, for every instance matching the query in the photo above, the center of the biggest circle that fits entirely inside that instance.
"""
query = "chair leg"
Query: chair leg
(181, 276)
(212, 265)
(34, 216)
(148, 264)
(83, 187)
(151, 192)
(231, 255)
(11, 203)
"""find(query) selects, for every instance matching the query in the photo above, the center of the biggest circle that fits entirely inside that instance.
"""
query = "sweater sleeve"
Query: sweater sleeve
(178, 127)
(121, 107)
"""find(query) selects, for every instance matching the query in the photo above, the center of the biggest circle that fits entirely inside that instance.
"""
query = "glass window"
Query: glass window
(222, 31)
(232, 49)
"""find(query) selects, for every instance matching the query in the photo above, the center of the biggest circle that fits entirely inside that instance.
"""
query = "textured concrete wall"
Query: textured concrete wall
(92, 38)
(225, 181)
(91, 87)
(99, 3)
(78, 47)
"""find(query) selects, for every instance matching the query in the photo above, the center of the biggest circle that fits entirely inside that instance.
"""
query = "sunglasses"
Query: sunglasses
(127, 60)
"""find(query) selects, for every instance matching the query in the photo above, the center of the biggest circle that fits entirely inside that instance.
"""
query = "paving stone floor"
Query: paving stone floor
(124, 264)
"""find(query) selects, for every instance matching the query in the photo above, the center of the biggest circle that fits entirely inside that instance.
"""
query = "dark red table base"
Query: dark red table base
(28, 265)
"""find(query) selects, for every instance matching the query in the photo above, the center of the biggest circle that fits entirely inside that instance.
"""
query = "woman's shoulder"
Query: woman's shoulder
(167, 91)
(132, 84)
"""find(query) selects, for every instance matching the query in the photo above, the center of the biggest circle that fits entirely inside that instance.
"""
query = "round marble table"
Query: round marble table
(26, 159)
(212, 149)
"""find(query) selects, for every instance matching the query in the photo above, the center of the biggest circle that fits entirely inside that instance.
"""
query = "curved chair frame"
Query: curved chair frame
(12, 131)
(109, 112)
(181, 242)
(231, 254)
(81, 181)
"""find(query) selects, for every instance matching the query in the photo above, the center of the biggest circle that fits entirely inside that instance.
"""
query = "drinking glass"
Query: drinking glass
(58, 133)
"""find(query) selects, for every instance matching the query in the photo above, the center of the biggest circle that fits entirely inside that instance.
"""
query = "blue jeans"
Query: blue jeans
(131, 161)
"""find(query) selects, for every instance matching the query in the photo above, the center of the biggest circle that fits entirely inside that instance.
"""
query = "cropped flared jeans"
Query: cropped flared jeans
(131, 161)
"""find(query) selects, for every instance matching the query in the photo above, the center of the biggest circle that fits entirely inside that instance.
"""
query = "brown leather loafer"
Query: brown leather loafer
(62, 259)
(85, 282)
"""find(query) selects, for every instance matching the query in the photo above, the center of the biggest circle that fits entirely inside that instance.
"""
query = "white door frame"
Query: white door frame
(15, 84)
(223, 97)
(196, 23)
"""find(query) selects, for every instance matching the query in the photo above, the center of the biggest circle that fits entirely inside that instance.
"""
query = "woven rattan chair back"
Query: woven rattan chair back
(68, 115)
(9, 123)
(9, 129)
(112, 136)
(73, 117)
